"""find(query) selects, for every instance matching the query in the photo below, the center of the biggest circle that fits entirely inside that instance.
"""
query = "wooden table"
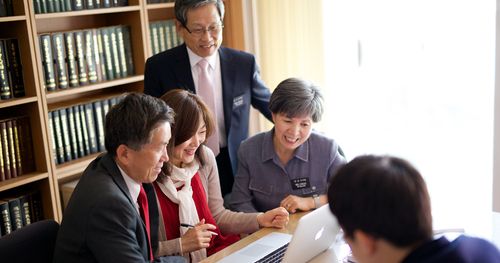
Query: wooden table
(290, 228)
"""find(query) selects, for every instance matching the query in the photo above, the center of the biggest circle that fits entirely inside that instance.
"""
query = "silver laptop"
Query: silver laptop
(315, 233)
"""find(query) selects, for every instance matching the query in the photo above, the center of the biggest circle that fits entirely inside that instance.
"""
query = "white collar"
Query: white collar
(194, 59)
(133, 187)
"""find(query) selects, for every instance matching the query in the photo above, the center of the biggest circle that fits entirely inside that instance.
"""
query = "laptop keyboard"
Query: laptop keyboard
(275, 256)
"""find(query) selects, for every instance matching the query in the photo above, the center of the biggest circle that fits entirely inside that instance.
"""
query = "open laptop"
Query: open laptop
(315, 233)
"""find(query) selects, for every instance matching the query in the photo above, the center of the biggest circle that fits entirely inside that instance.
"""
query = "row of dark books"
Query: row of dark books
(78, 130)
(160, 1)
(163, 35)
(16, 148)
(11, 70)
(6, 8)
(83, 57)
(20, 211)
(53, 6)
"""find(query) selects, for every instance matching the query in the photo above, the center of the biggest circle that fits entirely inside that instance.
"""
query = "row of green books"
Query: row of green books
(163, 35)
(160, 1)
(78, 130)
(11, 70)
(19, 211)
(53, 6)
(6, 8)
(16, 148)
(83, 57)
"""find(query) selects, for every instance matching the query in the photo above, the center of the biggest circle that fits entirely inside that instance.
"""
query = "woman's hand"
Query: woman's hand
(277, 217)
(197, 237)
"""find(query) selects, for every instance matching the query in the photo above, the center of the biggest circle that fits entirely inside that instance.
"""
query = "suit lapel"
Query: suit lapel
(228, 75)
(183, 69)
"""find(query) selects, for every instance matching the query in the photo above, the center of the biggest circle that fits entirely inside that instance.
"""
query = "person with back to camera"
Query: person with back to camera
(290, 165)
(195, 222)
(108, 218)
(383, 206)
(228, 80)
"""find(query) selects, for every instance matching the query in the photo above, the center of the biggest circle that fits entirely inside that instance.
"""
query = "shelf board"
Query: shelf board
(159, 6)
(97, 11)
(16, 101)
(98, 86)
(22, 180)
(12, 18)
(74, 167)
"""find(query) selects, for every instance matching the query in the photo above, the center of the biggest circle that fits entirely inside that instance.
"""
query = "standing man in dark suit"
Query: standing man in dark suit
(107, 218)
(233, 74)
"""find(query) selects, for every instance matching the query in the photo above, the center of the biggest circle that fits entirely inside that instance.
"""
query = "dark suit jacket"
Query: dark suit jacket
(101, 223)
(241, 87)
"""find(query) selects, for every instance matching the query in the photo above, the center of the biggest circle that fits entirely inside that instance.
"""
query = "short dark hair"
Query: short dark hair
(296, 97)
(131, 121)
(183, 6)
(188, 108)
(383, 196)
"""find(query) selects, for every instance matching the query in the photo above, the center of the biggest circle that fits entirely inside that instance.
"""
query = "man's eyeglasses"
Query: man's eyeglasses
(212, 30)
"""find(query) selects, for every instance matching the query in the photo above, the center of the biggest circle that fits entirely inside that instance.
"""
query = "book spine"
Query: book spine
(128, 50)
(121, 51)
(80, 58)
(68, 6)
(25, 209)
(85, 130)
(47, 63)
(72, 132)
(78, 4)
(65, 135)
(43, 6)
(2, 165)
(60, 61)
(16, 71)
(115, 52)
(36, 206)
(17, 144)
(6, 223)
(26, 144)
(54, 137)
(5, 89)
(15, 213)
(78, 131)
(108, 55)
(106, 3)
(90, 4)
(59, 138)
(156, 43)
(50, 6)
(5, 149)
(100, 53)
(89, 56)
(57, 5)
(12, 149)
(91, 127)
(168, 34)
(97, 105)
(38, 8)
(71, 59)
(161, 37)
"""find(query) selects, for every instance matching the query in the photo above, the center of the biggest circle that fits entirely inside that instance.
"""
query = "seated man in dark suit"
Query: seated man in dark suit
(383, 206)
(232, 82)
(108, 218)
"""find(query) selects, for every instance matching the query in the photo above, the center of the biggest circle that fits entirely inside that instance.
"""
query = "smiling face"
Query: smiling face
(290, 133)
(144, 165)
(202, 17)
(184, 153)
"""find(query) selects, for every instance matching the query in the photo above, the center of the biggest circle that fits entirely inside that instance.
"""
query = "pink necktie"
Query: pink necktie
(206, 91)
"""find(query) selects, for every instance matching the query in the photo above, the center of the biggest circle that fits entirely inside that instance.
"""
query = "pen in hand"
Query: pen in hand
(191, 226)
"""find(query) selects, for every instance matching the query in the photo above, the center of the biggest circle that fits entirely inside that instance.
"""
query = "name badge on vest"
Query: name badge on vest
(300, 183)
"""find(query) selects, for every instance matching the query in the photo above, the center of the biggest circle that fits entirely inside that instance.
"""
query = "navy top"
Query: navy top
(261, 181)
(464, 249)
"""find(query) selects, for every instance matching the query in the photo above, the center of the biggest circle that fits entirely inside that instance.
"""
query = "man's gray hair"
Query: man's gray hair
(183, 6)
